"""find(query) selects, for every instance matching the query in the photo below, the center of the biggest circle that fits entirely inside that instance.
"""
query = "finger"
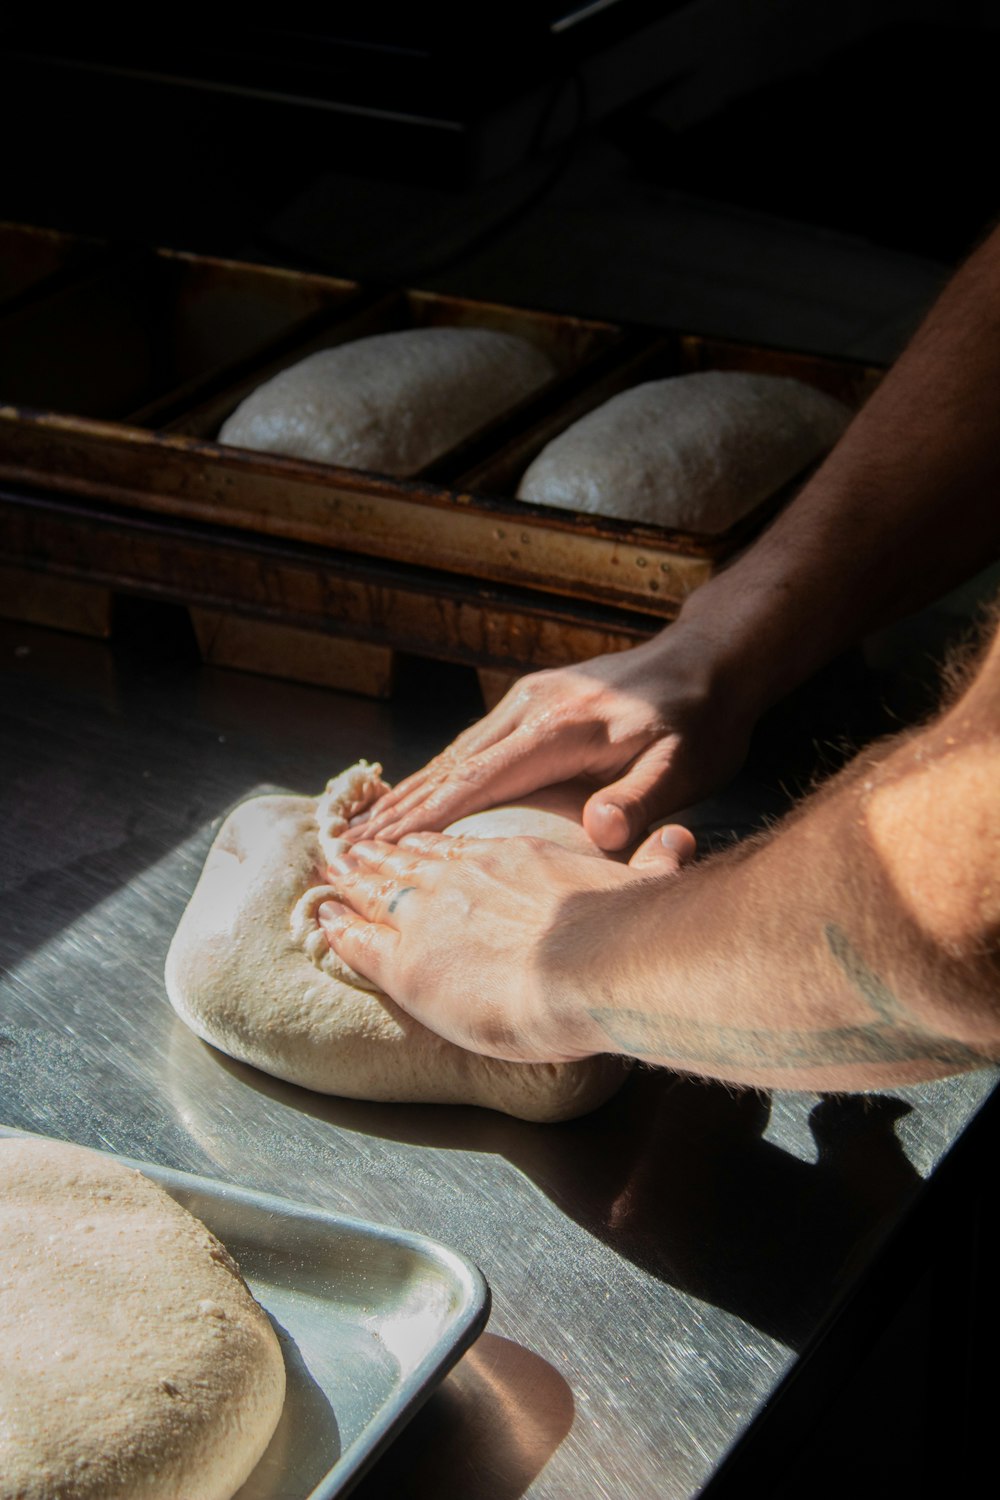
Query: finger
(435, 846)
(392, 797)
(386, 815)
(622, 811)
(367, 947)
(413, 858)
(369, 823)
(508, 770)
(342, 863)
(426, 842)
(372, 895)
(665, 851)
(374, 855)
(481, 736)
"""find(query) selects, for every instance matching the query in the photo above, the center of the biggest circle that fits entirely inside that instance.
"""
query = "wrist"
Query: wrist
(609, 955)
(757, 633)
(705, 669)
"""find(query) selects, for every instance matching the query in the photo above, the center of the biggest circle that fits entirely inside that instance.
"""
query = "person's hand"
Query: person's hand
(475, 937)
(649, 726)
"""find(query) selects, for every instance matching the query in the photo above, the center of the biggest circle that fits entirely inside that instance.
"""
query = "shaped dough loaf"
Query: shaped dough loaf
(392, 402)
(251, 972)
(694, 452)
(136, 1365)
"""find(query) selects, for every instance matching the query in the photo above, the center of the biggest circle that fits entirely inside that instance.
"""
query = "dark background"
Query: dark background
(873, 121)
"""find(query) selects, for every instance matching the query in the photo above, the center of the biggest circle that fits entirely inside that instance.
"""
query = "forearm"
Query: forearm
(902, 510)
(810, 960)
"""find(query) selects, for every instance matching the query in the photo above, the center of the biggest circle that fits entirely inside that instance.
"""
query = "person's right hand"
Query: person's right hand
(647, 726)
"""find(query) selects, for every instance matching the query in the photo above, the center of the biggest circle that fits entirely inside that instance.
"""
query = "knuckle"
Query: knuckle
(442, 800)
(366, 941)
(523, 695)
(451, 756)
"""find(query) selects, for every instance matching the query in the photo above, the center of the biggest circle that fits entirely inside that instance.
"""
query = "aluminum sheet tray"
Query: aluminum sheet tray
(370, 1320)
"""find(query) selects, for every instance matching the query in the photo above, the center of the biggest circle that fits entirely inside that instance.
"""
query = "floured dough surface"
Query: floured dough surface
(134, 1363)
(693, 452)
(251, 972)
(392, 402)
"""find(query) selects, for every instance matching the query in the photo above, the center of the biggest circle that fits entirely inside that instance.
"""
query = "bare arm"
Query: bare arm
(856, 946)
(904, 508)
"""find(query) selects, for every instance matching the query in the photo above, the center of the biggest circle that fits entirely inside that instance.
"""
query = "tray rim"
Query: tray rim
(419, 1383)
(450, 517)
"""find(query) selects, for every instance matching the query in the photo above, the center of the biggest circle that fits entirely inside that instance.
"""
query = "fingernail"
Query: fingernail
(329, 911)
(616, 824)
(676, 838)
(611, 810)
(361, 817)
(341, 864)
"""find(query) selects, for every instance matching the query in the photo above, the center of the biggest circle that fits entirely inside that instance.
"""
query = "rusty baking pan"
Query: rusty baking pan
(576, 347)
(201, 343)
(415, 522)
(34, 261)
(478, 538)
(498, 474)
(310, 588)
(475, 530)
(152, 329)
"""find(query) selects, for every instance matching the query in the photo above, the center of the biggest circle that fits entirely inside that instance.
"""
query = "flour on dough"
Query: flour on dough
(250, 970)
(135, 1363)
(693, 452)
(392, 402)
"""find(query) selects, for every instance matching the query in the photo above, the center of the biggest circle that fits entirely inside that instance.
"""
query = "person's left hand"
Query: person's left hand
(477, 939)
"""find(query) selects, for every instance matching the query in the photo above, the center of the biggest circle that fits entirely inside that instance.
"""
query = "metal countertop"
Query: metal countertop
(656, 1267)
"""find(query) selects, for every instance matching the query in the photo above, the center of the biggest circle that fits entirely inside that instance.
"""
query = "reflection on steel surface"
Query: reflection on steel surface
(369, 1320)
(654, 1267)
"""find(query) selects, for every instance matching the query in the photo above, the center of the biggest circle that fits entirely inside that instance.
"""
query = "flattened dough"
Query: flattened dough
(251, 972)
(392, 402)
(694, 452)
(136, 1365)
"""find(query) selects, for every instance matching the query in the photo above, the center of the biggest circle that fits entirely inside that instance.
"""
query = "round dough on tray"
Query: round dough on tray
(693, 452)
(136, 1365)
(392, 402)
(251, 972)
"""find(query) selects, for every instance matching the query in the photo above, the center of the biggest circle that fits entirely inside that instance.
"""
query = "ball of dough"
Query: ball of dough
(250, 969)
(694, 452)
(392, 402)
(135, 1363)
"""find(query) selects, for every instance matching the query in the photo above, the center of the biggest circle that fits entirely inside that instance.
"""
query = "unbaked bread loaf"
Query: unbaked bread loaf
(693, 452)
(135, 1364)
(392, 402)
(250, 969)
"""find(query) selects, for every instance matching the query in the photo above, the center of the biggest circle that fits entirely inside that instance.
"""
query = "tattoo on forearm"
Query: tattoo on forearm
(891, 1037)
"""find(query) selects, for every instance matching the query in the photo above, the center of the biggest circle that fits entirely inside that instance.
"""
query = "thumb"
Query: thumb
(664, 851)
(621, 813)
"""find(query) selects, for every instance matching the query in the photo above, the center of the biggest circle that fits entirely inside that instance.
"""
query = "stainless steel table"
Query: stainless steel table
(657, 1268)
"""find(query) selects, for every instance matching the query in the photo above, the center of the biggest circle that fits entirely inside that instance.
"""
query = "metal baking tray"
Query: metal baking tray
(573, 344)
(458, 518)
(141, 333)
(498, 474)
(34, 261)
(263, 579)
(370, 1320)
